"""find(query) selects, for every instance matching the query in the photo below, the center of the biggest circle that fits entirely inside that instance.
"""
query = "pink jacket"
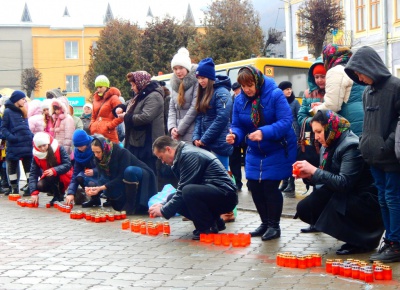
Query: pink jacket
(64, 125)
(35, 117)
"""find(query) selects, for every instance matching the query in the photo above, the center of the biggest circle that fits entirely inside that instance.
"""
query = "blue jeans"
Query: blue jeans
(223, 159)
(388, 184)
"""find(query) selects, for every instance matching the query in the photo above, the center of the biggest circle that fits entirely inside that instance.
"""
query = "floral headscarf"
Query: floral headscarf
(107, 148)
(141, 79)
(333, 55)
(259, 82)
(334, 128)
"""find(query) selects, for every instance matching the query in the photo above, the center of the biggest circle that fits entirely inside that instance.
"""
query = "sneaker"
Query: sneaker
(385, 244)
(391, 254)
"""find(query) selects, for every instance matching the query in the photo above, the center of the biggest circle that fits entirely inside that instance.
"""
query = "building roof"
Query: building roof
(78, 13)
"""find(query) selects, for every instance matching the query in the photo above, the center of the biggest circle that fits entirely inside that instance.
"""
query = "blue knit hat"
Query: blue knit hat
(206, 69)
(16, 96)
(81, 138)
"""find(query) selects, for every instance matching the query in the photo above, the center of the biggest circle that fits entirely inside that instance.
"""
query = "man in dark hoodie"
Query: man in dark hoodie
(381, 102)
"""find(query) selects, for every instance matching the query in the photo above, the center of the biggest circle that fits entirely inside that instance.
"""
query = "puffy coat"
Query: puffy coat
(344, 97)
(35, 117)
(63, 169)
(183, 118)
(103, 121)
(213, 126)
(64, 125)
(273, 156)
(15, 129)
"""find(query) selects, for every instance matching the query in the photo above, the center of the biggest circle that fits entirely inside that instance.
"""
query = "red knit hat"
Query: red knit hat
(319, 69)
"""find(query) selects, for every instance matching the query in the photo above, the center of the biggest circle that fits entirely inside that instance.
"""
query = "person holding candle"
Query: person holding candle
(84, 168)
(51, 168)
(263, 118)
(344, 202)
(205, 189)
(125, 180)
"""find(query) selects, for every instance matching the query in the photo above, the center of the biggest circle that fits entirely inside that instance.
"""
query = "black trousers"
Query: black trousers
(268, 200)
(310, 208)
(235, 164)
(51, 184)
(203, 204)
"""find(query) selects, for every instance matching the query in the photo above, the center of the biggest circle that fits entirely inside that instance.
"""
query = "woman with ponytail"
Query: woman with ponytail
(182, 111)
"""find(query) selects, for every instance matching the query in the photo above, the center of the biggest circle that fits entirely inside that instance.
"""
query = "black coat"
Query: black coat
(353, 213)
(15, 129)
(194, 165)
(120, 159)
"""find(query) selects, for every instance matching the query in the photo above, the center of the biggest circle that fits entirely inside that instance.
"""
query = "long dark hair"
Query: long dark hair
(51, 158)
(204, 97)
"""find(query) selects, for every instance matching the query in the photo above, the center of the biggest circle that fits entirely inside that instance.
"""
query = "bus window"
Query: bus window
(221, 72)
(233, 74)
(297, 76)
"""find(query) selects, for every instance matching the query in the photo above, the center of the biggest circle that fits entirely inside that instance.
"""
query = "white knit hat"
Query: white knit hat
(41, 138)
(182, 58)
(46, 103)
(88, 105)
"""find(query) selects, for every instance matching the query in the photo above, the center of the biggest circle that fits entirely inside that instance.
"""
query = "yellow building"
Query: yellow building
(62, 56)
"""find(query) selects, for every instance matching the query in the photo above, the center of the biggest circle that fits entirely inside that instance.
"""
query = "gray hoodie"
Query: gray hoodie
(381, 103)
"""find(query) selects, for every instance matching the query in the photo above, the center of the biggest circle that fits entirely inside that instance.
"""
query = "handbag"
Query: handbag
(307, 149)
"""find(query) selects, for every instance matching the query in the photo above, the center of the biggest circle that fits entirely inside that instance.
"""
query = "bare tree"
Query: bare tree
(318, 18)
(274, 37)
(31, 80)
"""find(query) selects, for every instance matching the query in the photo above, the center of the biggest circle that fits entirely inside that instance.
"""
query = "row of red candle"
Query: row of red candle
(140, 226)
(98, 217)
(298, 261)
(14, 196)
(358, 270)
(26, 203)
(237, 240)
(61, 207)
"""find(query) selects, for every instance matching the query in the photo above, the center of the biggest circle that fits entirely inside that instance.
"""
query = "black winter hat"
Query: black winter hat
(285, 85)
(235, 86)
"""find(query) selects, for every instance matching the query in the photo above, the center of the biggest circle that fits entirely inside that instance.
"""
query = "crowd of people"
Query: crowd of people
(120, 149)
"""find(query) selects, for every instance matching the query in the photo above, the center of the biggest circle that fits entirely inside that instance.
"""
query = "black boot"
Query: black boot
(57, 195)
(274, 215)
(131, 189)
(263, 212)
(284, 184)
(290, 187)
(271, 233)
(94, 201)
(5, 187)
(310, 229)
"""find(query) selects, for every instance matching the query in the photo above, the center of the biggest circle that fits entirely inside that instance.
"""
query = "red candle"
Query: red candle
(328, 265)
(217, 239)
(387, 272)
(355, 271)
(166, 229)
(378, 273)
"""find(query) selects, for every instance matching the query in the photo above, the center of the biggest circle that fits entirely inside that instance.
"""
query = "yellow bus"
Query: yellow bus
(280, 69)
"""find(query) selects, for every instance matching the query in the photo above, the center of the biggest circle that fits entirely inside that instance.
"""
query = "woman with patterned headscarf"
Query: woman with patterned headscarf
(342, 95)
(143, 116)
(344, 202)
(262, 117)
(125, 180)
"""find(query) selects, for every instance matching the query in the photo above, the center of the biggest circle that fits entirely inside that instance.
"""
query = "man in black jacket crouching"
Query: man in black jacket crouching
(205, 190)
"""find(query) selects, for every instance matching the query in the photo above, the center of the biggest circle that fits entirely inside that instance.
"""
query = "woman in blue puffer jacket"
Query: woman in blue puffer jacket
(263, 118)
(213, 105)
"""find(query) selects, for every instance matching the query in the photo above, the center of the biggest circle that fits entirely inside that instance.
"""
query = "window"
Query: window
(301, 25)
(72, 84)
(71, 50)
(397, 11)
(360, 15)
(375, 15)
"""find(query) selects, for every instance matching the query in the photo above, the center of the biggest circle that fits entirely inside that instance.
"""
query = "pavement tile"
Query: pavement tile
(42, 286)
(129, 276)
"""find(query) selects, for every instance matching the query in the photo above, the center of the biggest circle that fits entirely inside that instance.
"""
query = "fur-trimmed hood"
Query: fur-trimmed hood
(188, 81)
(34, 108)
(61, 102)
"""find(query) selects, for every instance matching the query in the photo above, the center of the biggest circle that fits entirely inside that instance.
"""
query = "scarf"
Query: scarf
(107, 148)
(255, 100)
(334, 55)
(42, 155)
(334, 128)
(141, 79)
(85, 156)
(291, 98)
